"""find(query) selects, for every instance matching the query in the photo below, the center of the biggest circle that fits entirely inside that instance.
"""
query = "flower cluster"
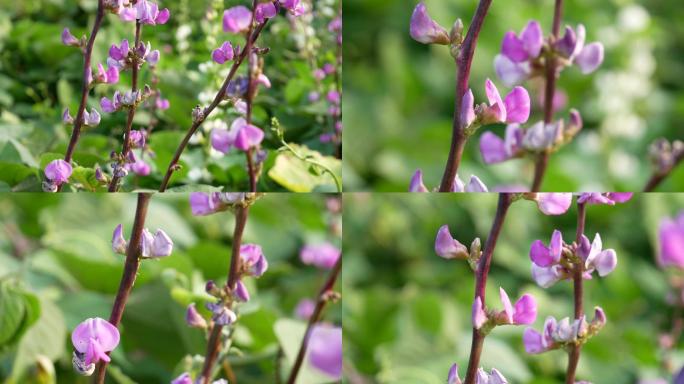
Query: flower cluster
(152, 246)
(92, 340)
(523, 312)
(474, 184)
(671, 242)
(558, 334)
(524, 56)
(203, 204)
(323, 255)
(482, 377)
(241, 136)
(558, 261)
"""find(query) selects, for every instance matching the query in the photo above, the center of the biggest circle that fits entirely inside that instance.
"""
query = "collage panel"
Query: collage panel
(170, 288)
(147, 95)
(439, 91)
(487, 288)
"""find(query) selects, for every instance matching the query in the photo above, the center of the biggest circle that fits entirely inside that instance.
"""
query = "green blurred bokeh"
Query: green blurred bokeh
(407, 312)
(57, 248)
(399, 94)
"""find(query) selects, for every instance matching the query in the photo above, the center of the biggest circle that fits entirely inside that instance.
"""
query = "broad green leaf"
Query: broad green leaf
(12, 312)
(297, 176)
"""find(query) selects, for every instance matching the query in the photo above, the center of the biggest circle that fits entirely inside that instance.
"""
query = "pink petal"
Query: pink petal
(517, 105)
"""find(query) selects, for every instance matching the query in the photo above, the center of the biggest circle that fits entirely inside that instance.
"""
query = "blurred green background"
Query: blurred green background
(399, 94)
(407, 312)
(40, 77)
(56, 250)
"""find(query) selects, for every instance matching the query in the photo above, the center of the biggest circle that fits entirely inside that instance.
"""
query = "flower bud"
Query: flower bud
(119, 243)
(66, 117)
(416, 184)
(211, 287)
(425, 30)
(69, 39)
(599, 318)
(453, 378)
(456, 33)
(193, 318)
(479, 316)
(241, 292)
(305, 308)
(448, 247)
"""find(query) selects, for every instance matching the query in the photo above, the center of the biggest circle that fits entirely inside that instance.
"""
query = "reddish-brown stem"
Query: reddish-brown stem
(315, 317)
(463, 63)
(130, 271)
(549, 92)
(114, 184)
(249, 99)
(87, 72)
(505, 201)
(660, 176)
(574, 354)
(214, 341)
(220, 96)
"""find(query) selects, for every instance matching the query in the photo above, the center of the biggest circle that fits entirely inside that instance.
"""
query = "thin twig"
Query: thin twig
(463, 63)
(574, 354)
(660, 176)
(214, 342)
(315, 317)
(249, 99)
(485, 262)
(550, 91)
(130, 271)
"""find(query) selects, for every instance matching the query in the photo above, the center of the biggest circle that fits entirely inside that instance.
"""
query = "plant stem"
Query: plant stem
(87, 71)
(660, 176)
(505, 201)
(315, 317)
(114, 184)
(129, 273)
(574, 354)
(249, 99)
(207, 111)
(463, 63)
(549, 92)
(214, 342)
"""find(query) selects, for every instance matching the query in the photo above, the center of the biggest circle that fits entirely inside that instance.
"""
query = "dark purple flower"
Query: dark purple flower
(253, 258)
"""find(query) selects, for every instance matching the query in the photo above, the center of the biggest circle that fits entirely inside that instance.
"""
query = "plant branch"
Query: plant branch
(241, 214)
(249, 99)
(574, 354)
(315, 317)
(87, 72)
(659, 177)
(220, 96)
(114, 184)
(130, 271)
(463, 63)
(505, 201)
(549, 93)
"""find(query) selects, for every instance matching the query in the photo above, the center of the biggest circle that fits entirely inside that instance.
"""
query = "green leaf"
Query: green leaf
(296, 175)
(290, 334)
(12, 310)
(14, 173)
(85, 177)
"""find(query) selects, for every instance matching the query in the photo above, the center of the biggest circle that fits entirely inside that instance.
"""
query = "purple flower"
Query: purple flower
(335, 25)
(183, 379)
(202, 204)
(119, 243)
(544, 256)
(220, 314)
(416, 184)
(223, 53)
(319, 74)
(241, 135)
(193, 318)
(241, 292)
(237, 19)
(479, 316)
(69, 39)
(453, 378)
(140, 167)
(496, 150)
(325, 349)
(494, 377)
(510, 72)
(91, 119)
(671, 242)
(305, 308)
(295, 7)
(66, 117)
(448, 247)
(265, 11)
(147, 12)
(137, 138)
(425, 30)
(604, 261)
(254, 260)
(587, 57)
(515, 108)
(157, 245)
(553, 203)
(524, 311)
(263, 80)
(93, 338)
(474, 185)
(468, 109)
(162, 104)
(58, 171)
(604, 198)
(525, 47)
(110, 76)
(334, 97)
(323, 255)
